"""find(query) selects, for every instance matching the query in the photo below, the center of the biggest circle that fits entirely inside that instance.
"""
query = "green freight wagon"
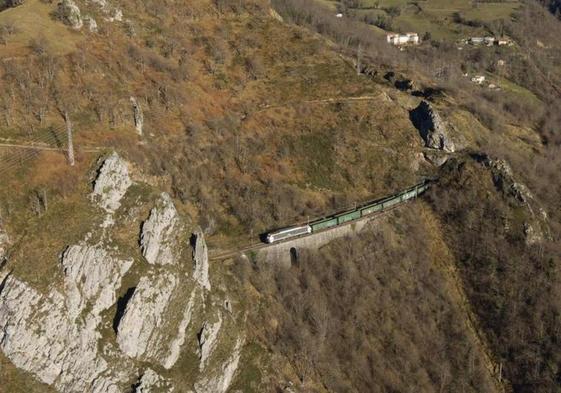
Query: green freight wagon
(323, 224)
(349, 216)
(390, 202)
(376, 207)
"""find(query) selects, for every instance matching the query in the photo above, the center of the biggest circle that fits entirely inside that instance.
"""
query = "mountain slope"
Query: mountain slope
(229, 121)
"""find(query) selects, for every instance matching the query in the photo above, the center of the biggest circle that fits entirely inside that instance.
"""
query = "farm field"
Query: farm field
(436, 17)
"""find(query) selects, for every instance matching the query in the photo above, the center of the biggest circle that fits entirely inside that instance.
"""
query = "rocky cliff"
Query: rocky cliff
(64, 337)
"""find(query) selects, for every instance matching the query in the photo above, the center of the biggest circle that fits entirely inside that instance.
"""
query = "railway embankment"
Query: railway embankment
(286, 253)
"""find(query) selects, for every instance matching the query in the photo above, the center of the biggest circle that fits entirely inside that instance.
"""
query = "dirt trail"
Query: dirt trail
(47, 148)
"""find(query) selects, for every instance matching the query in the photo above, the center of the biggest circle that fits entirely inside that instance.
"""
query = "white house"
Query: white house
(489, 41)
(402, 39)
(479, 79)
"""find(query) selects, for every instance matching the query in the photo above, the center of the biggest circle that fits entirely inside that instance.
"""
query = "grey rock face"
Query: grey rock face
(4, 243)
(432, 128)
(149, 329)
(504, 180)
(112, 183)
(70, 14)
(219, 380)
(91, 24)
(91, 275)
(38, 336)
(503, 177)
(200, 259)
(151, 382)
(158, 237)
(208, 339)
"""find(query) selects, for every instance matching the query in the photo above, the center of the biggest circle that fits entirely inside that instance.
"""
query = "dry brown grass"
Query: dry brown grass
(33, 22)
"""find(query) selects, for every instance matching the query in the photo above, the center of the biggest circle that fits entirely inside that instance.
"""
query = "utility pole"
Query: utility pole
(69, 138)
(358, 59)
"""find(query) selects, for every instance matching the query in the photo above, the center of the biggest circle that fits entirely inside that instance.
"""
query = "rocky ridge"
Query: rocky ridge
(503, 177)
(148, 330)
(57, 336)
(39, 335)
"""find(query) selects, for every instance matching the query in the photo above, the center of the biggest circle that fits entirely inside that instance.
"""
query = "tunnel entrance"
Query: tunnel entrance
(293, 257)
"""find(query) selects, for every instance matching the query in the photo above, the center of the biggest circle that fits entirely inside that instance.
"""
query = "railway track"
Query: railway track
(256, 246)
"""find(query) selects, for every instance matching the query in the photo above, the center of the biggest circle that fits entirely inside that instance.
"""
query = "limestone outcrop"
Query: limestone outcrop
(432, 128)
(70, 14)
(208, 338)
(113, 13)
(200, 259)
(219, 380)
(91, 275)
(112, 183)
(91, 23)
(39, 336)
(4, 243)
(159, 233)
(504, 180)
(152, 382)
(150, 329)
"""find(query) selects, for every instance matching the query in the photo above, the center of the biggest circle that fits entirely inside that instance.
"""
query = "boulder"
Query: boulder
(432, 128)
(91, 24)
(112, 183)
(38, 336)
(158, 239)
(150, 329)
(200, 259)
(70, 14)
(437, 158)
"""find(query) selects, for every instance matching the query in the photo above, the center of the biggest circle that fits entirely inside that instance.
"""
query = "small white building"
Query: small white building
(402, 39)
(489, 41)
(339, 15)
(479, 79)
(503, 42)
(476, 40)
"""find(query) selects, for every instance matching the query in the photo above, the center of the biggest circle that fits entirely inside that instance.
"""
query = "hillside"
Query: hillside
(197, 127)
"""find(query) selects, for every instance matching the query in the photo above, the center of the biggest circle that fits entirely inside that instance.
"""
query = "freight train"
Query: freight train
(350, 215)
